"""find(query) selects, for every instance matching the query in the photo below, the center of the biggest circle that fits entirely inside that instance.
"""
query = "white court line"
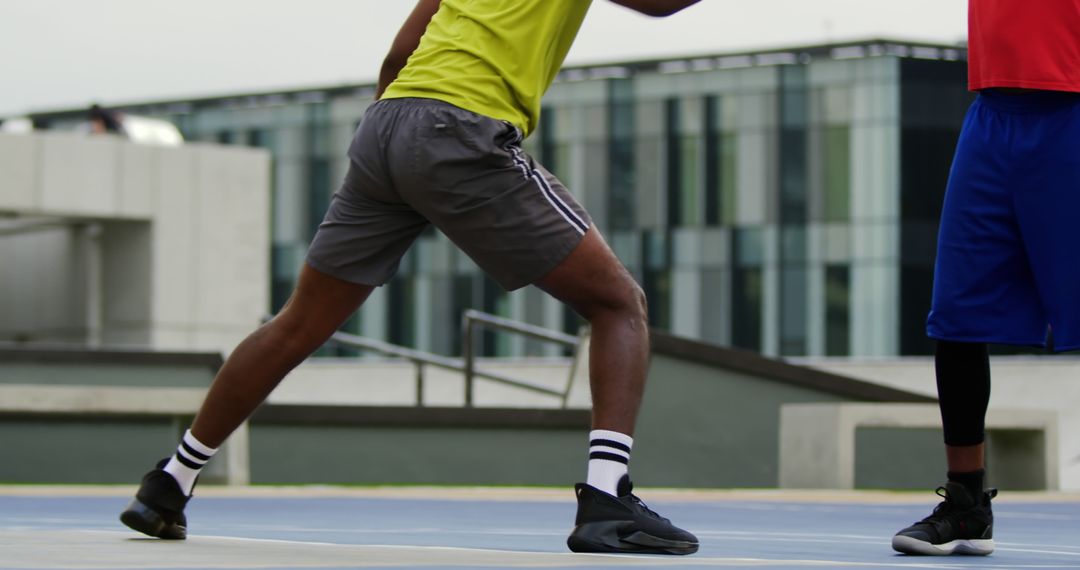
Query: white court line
(409, 530)
(1037, 551)
(745, 536)
(1035, 545)
(638, 560)
(755, 537)
(117, 550)
(847, 538)
(890, 509)
(1034, 516)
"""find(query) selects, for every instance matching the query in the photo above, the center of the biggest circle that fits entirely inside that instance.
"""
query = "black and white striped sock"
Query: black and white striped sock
(190, 457)
(609, 458)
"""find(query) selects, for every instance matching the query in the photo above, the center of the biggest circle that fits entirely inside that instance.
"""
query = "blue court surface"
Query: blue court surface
(328, 528)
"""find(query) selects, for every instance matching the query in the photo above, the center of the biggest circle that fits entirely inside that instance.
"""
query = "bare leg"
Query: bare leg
(316, 309)
(596, 285)
(965, 459)
(593, 281)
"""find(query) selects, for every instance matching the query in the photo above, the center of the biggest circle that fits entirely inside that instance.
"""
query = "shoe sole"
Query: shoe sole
(908, 545)
(605, 537)
(142, 518)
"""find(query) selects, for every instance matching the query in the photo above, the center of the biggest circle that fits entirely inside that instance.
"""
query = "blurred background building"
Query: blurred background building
(783, 201)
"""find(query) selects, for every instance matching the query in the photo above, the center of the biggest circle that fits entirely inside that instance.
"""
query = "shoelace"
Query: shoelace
(942, 509)
(637, 501)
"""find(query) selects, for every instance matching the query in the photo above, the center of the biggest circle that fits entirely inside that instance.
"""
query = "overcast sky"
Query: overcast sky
(68, 53)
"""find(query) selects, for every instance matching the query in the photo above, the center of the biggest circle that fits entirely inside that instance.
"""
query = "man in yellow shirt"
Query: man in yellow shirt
(459, 90)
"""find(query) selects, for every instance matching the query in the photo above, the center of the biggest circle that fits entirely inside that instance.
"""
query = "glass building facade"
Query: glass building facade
(784, 202)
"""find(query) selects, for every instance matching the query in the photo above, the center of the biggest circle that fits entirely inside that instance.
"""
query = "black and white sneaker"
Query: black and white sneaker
(961, 524)
(606, 523)
(158, 507)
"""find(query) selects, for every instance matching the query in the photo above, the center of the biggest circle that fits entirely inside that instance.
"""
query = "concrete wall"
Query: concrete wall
(721, 428)
(1019, 382)
(107, 449)
(110, 242)
(701, 425)
(709, 421)
(420, 454)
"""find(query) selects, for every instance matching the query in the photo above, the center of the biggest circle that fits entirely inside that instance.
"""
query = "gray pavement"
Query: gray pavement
(301, 528)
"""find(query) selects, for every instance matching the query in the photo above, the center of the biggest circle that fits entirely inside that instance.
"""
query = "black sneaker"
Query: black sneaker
(624, 524)
(961, 524)
(158, 507)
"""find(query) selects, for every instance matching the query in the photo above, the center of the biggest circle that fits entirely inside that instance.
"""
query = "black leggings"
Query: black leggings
(963, 382)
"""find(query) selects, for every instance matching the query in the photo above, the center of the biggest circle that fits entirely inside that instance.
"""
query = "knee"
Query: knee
(283, 334)
(623, 299)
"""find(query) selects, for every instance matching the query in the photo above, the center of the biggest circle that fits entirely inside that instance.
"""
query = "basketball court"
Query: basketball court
(429, 528)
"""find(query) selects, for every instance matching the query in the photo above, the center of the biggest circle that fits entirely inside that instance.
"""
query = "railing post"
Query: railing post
(419, 383)
(467, 348)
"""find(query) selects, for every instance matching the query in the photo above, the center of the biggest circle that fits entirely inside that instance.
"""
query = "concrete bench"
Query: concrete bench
(127, 401)
(817, 441)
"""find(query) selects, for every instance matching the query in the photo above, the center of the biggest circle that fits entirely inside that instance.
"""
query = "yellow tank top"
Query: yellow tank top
(492, 57)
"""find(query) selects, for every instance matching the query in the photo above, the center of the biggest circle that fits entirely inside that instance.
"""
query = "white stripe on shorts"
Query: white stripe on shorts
(552, 197)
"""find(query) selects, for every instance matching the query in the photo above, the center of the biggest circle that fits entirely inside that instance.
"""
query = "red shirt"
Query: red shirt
(1031, 44)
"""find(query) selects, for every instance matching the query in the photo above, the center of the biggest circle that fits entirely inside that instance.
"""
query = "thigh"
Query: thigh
(362, 240)
(984, 290)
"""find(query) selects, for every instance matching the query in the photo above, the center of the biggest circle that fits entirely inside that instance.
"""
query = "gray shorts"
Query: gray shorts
(420, 161)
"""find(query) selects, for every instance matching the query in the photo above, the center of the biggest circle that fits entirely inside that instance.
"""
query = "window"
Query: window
(622, 214)
(794, 305)
(689, 180)
(837, 310)
(746, 285)
(672, 117)
(713, 161)
(546, 133)
(319, 192)
(494, 301)
(683, 168)
(259, 138)
(657, 277)
(728, 192)
(719, 152)
(746, 289)
(837, 172)
(401, 310)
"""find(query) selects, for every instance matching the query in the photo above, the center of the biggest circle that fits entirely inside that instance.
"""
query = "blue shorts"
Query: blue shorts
(1008, 258)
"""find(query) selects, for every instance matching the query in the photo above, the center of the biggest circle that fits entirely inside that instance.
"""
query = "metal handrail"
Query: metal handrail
(473, 318)
(419, 358)
(466, 365)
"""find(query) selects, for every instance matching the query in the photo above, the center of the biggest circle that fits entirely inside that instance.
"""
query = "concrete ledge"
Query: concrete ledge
(32, 399)
(80, 401)
(776, 370)
(52, 355)
(817, 441)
